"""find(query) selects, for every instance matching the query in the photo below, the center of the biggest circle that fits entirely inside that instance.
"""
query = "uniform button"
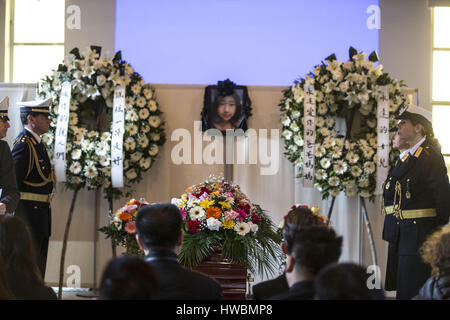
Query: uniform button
(414, 222)
(398, 222)
(35, 207)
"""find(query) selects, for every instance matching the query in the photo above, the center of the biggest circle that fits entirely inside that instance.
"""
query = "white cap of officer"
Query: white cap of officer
(4, 105)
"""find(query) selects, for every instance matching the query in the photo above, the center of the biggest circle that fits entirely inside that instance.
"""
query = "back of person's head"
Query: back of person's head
(299, 217)
(18, 251)
(313, 247)
(5, 292)
(345, 281)
(128, 278)
(435, 251)
(159, 226)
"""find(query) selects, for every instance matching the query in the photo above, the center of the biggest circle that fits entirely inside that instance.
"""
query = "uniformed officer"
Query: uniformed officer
(35, 177)
(416, 201)
(9, 194)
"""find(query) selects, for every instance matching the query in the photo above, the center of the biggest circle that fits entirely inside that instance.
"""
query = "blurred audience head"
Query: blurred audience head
(345, 281)
(5, 293)
(128, 278)
(435, 251)
(18, 251)
(159, 226)
(309, 249)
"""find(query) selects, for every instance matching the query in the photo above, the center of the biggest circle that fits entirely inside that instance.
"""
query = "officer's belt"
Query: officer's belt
(411, 214)
(36, 197)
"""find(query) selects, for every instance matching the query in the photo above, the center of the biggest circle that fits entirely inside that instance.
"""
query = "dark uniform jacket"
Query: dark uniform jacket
(34, 176)
(417, 182)
(9, 194)
(178, 283)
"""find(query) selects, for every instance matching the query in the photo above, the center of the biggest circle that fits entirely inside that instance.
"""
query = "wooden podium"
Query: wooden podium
(231, 276)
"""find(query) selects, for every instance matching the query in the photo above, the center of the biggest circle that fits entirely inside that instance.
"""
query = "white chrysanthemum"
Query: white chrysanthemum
(130, 144)
(369, 167)
(298, 140)
(104, 161)
(294, 127)
(352, 157)
(144, 163)
(363, 182)
(76, 154)
(144, 113)
(337, 152)
(75, 167)
(105, 137)
(242, 228)
(153, 150)
(155, 136)
(136, 156)
(148, 93)
(293, 148)
(320, 122)
(143, 142)
(102, 149)
(340, 167)
(321, 175)
(132, 129)
(213, 224)
(154, 121)
(319, 151)
(141, 102)
(131, 174)
(197, 213)
(136, 89)
(101, 80)
(285, 121)
(253, 227)
(335, 192)
(132, 116)
(325, 163)
(152, 105)
(287, 134)
(355, 171)
(90, 172)
(73, 119)
(368, 152)
(295, 114)
(334, 181)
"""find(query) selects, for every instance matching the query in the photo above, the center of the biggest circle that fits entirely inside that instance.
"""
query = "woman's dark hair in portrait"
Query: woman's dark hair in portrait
(18, 252)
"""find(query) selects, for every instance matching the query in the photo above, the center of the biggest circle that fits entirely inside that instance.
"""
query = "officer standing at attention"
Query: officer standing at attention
(9, 194)
(35, 177)
(416, 197)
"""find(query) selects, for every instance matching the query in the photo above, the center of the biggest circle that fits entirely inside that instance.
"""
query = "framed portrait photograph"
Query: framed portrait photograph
(227, 106)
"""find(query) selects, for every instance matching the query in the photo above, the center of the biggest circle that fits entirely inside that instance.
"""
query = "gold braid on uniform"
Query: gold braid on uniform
(33, 153)
(397, 207)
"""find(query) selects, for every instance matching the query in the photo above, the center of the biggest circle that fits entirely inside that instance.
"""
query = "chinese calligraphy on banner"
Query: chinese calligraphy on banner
(309, 136)
(118, 128)
(383, 136)
(61, 132)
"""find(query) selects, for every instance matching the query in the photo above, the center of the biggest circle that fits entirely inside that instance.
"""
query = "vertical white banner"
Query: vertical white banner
(118, 128)
(383, 136)
(309, 136)
(61, 132)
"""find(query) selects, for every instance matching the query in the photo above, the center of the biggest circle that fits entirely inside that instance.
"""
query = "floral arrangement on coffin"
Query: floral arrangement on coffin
(93, 81)
(122, 227)
(217, 214)
(342, 89)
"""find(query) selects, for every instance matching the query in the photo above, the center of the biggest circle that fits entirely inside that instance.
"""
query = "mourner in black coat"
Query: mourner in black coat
(416, 201)
(9, 194)
(35, 178)
(160, 235)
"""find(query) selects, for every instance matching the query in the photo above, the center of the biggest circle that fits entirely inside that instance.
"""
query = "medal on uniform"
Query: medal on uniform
(388, 185)
(408, 195)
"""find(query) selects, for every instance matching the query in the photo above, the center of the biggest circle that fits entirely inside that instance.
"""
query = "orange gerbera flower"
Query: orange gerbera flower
(125, 216)
(213, 212)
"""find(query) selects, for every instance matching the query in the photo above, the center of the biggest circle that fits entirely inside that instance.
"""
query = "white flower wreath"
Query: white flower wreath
(88, 152)
(341, 164)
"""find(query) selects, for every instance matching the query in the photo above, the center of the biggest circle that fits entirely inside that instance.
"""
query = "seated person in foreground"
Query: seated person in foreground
(298, 217)
(436, 252)
(128, 278)
(160, 235)
(309, 250)
(18, 252)
(345, 281)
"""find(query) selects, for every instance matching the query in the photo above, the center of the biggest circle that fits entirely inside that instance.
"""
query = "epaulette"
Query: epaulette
(418, 152)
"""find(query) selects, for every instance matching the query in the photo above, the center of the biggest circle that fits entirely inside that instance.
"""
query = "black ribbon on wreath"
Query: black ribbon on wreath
(239, 110)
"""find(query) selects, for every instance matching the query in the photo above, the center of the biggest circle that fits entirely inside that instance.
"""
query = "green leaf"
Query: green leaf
(373, 57)
(351, 52)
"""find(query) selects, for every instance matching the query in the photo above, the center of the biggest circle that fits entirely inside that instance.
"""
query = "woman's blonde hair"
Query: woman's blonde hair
(435, 251)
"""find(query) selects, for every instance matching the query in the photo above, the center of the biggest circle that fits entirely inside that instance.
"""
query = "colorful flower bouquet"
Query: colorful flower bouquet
(216, 215)
(122, 227)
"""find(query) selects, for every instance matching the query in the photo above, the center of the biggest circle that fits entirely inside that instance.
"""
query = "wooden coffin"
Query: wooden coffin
(231, 276)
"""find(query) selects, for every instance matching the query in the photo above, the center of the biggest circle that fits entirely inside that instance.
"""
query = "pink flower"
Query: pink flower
(204, 196)
(183, 214)
(130, 208)
(130, 227)
(231, 215)
(242, 214)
